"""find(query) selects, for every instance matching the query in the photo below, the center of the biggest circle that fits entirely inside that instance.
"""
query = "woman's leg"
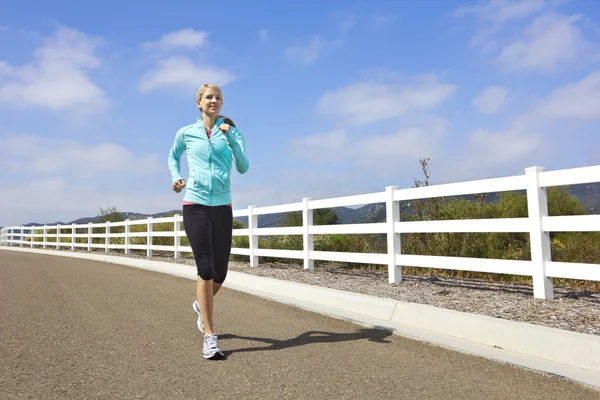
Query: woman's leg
(199, 230)
(216, 287)
(222, 229)
(222, 238)
(205, 294)
(222, 224)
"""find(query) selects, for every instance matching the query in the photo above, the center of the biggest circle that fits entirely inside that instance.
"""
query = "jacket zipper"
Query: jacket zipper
(211, 169)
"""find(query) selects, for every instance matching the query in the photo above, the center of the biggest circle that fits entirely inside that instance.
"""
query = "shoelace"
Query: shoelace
(211, 341)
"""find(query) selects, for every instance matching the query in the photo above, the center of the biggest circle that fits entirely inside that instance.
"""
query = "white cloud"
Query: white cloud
(374, 161)
(58, 78)
(45, 156)
(339, 163)
(491, 99)
(183, 73)
(578, 100)
(367, 102)
(306, 55)
(184, 38)
(494, 15)
(550, 41)
(499, 12)
(498, 148)
(73, 179)
(532, 138)
(381, 151)
(408, 142)
(326, 147)
(66, 200)
(381, 20)
(346, 21)
(264, 35)
(321, 185)
(487, 154)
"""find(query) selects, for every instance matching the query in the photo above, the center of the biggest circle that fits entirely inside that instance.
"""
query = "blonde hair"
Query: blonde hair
(203, 88)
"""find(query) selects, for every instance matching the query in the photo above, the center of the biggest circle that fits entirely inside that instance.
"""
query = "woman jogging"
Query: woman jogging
(211, 145)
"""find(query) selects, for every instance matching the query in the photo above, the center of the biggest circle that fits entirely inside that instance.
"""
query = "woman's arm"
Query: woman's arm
(175, 156)
(236, 142)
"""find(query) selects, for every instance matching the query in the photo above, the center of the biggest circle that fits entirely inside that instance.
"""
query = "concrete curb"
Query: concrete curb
(568, 354)
(567, 347)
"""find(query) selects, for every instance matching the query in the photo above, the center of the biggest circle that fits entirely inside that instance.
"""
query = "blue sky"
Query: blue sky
(334, 97)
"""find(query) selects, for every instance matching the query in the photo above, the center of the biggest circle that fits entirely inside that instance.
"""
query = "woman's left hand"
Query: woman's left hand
(224, 128)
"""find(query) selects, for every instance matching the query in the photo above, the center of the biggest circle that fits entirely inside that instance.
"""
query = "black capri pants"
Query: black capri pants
(209, 230)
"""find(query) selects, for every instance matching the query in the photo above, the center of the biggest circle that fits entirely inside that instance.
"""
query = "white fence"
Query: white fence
(538, 224)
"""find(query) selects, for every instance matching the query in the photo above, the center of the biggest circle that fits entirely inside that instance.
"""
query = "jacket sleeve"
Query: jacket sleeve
(175, 156)
(235, 140)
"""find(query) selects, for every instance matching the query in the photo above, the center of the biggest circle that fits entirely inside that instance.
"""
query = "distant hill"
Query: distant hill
(588, 194)
(85, 220)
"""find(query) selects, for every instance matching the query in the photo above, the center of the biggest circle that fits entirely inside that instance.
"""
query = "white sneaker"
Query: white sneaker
(211, 347)
(200, 320)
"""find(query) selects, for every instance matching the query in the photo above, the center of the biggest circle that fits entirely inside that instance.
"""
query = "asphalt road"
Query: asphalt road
(75, 329)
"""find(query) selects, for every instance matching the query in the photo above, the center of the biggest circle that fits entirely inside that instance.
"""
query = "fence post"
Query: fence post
(89, 236)
(149, 240)
(72, 237)
(307, 238)
(253, 240)
(176, 237)
(58, 236)
(22, 236)
(107, 240)
(45, 236)
(127, 231)
(537, 206)
(392, 213)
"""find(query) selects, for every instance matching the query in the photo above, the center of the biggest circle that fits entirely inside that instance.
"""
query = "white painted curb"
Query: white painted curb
(569, 354)
(373, 307)
(567, 347)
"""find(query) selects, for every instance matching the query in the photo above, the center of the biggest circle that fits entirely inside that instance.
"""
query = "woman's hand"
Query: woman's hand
(178, 185)
(224, 128)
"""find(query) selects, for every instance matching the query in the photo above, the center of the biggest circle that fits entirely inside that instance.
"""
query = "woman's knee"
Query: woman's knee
(220, 278)
(206, 274)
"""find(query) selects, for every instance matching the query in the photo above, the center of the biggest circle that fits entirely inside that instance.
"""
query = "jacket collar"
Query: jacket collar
(218, 122)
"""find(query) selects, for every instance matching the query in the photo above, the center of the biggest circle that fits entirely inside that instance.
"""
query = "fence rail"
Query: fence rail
(538, 224)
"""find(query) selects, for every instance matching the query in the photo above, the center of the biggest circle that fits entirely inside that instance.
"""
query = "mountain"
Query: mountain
(85, 220)
(588, 194)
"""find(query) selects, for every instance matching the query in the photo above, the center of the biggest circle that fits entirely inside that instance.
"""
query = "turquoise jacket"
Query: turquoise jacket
(209, 161)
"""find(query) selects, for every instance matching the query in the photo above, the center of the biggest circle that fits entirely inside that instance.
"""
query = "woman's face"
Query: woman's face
(211, 102)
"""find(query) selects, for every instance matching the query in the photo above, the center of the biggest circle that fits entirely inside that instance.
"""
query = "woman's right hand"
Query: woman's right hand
(178, 185)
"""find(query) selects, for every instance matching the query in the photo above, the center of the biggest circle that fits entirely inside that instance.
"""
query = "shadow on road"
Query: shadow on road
(310, 337)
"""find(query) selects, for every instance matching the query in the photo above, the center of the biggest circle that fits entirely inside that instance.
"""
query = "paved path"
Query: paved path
(75, 329)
